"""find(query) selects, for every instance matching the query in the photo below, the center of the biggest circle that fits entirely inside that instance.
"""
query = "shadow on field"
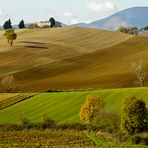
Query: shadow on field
(35, 47)
(34, 44)
(40, 43)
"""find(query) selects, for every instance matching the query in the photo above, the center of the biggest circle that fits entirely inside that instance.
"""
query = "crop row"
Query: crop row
(47, 138)
(15, 98)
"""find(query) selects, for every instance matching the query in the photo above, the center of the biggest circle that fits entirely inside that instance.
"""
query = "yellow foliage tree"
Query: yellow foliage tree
(91, 106)
(10, 36)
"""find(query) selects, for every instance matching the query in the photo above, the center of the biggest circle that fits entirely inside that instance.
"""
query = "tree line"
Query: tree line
(8, 24)
(21, 25)
(132, 119)
(133, 30)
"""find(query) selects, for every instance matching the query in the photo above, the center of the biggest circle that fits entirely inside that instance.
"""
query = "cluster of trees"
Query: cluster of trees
(8, 24)
(133, 30)
(143, 29)
(129, 30)
(133, 114)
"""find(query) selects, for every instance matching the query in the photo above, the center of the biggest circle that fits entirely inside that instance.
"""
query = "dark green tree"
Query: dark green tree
(7, 24)
(146, 28)
(133, 117)
(52, 21)
(21, 24)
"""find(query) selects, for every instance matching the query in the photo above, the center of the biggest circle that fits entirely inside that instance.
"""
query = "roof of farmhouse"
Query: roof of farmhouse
(45, 21)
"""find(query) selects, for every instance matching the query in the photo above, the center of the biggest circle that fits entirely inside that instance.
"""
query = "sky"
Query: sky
(66, 11)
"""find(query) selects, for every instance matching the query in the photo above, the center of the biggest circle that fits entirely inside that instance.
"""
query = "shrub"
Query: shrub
(8, 84)
(133, 115)
(46, 123)
(10, 127)
(25, 122)
(73, 126)
(106, 120)
(90, 107)
(139, 140)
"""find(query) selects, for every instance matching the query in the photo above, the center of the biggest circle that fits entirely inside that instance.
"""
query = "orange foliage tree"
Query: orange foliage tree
(91, 106)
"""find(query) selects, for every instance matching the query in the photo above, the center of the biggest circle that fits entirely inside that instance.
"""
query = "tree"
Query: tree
(7, 24)
(8, 84)
(90, 107)
(139, 72)
(134, 30)
(129, 30)
(21, 24)
(52, 21)
(133, 115)
(10, 36)
(146, 28)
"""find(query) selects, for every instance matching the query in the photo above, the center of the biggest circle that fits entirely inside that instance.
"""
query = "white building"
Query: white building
(44, 24)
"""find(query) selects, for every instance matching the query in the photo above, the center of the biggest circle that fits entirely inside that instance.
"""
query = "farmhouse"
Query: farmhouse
(44, 24)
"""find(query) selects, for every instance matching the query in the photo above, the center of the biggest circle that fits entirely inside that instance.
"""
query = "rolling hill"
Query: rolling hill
(72, 58)
(64, 107)
(69, 58)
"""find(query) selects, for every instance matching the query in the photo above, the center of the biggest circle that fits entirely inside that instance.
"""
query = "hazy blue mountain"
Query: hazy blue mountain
(135, 16)
(82, 25)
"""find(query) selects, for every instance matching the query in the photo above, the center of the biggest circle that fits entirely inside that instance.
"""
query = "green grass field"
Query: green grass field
(64, 107)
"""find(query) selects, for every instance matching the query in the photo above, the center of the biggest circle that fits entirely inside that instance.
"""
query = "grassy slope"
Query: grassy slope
(41, 57)
(64, 107)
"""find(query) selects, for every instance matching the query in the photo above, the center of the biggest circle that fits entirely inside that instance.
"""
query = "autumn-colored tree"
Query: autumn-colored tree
(8, 84)
(10, 36)
(90, 107)
(133, 117)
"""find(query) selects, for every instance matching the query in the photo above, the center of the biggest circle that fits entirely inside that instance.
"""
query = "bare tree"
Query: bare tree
(139, 72)
(8, 84)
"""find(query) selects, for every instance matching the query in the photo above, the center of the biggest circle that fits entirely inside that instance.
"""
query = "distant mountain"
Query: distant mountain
(135, 16)
(82, 25)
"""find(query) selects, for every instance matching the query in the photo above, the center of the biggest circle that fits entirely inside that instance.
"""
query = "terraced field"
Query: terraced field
(64, 107)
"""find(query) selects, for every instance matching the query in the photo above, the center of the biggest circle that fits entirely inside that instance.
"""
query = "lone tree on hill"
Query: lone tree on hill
(52, 21)
(139, 72)
(10, 36)
(7, 24)
(21, 24)
(133, 117)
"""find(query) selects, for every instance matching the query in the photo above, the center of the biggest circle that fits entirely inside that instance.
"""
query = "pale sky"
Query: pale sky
(67, 11)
